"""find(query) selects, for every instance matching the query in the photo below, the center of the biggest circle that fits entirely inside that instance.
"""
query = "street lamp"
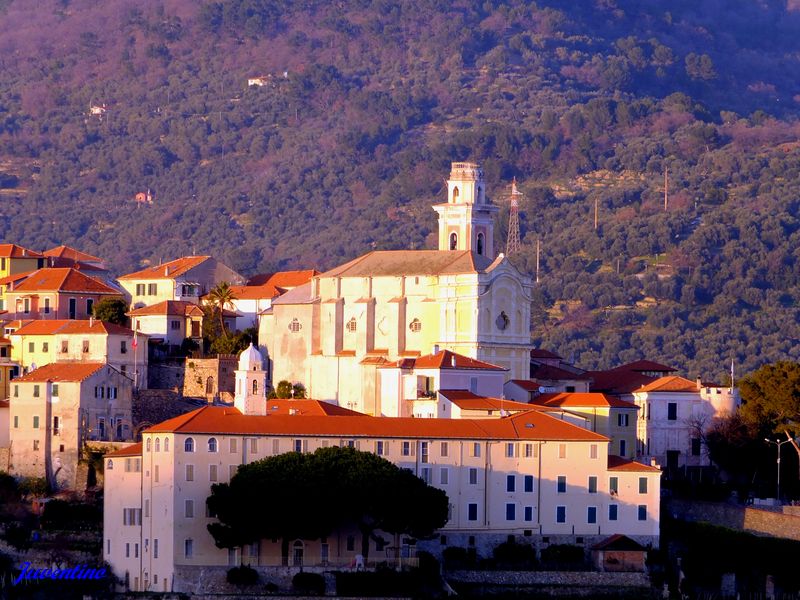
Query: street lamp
(778, 444)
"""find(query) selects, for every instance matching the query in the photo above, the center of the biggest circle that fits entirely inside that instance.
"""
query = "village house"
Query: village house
(17, 261)
(57, 409)
(38, 343)
(54, 293)
(169, 323)
(331, 334)
(183, 279)
(9, 368)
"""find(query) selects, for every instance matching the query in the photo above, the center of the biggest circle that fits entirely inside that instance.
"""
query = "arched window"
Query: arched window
(255, 387)
(212, 444)
(188, 445)
(295, 326)
(480, 244)
(352, 325)
(166, 444)
(109, 465)
(158, 445)
(455, 194)
(415, 326)
(453, 241)
(210, 385)
(147, 444)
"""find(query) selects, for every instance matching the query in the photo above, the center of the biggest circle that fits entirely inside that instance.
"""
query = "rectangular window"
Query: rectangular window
(64, 346)
(123, 347)
(473, 476)
(672, 411)
(592, 484)
(127, 550)
(140, 289)
(529, 513)
(423, 452)
(642, 485)
(444, 476)
(562, 451)
(136, 551)
(476, 449)
(612, 512)
(562, 484)
(695, 446)
(407, 449)
(591, 514)
(276, 446)
(593, 451)
(147, 508)
(188, 511)
(613, 485)
(174, 325)
(212, 472)
(189, 472)
(35, 445)
(35, 391)
(85, 346)
(472, 511)
(298, 445)
(380, 448)
(561, 514)
(511, 450)
(155, 548)
(425, 474)
(47, 306)
(253, 446)
(443, 449)
(642, 512)
(55, 390)
(155, 474)
(188, 548)
(152, 289)
(16, 421)
(511, 511)
(528, 483)
(511, 483)
(622, 420)
(232, 445)
(36, 421)
(45, 347)
(528, 453)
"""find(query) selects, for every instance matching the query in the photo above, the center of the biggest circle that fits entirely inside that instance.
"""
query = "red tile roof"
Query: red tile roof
(132, 450)
(283, 279)
(573, 399)
(15, 251)
(71, 254)
(646, 365)
(529, 425)
(551, 373)
(66, 326)
(542, 353)
(466, 400)
(169, 308)
(617, 463)
(13, 278)
(64, 279)
(255, 292)
(619, 543)
(444, 359)
(62, 372)
(527, 384)
(617, 382)
(169, 270)
(671, 383)
(308, 408)
(412, 262)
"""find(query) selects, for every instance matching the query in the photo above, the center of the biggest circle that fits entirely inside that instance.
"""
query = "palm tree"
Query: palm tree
(221, 296)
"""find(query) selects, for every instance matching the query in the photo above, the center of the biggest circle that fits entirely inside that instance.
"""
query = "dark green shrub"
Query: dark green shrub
(564, 556)
(455, 557)
(309, 583)
(242, 575)
(511, 555)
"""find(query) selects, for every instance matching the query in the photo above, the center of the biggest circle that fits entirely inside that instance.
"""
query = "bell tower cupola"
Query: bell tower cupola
(466, 219)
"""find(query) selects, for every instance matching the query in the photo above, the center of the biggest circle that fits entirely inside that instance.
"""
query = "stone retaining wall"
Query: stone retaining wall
(752, 520)
(556, 583)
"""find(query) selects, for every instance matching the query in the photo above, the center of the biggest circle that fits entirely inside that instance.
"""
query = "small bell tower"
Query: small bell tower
(251, 383)
(466, 219)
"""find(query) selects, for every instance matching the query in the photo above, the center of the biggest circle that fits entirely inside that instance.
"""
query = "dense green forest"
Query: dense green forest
(366, 103)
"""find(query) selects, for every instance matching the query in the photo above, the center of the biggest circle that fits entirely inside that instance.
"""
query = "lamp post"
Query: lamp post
(778, 444)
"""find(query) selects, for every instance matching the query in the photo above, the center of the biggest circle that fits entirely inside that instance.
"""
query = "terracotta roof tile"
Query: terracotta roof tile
(527, 384)
(444, 359)
(169, 270)
(15, 251)
(617, 463)
(169, 308)
(63, 280)
(283, 279)
(308, 408)
(551, 373)
(14, 277)
(67, 326)
(529, 425)
(671, 383)
(573, 399)
(412, 262)
(62, 372)
(71, 254)
(619, 543)
(132, 450)
(466, 400)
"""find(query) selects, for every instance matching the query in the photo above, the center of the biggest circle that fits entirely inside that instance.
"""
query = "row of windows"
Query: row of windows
(561, 513)
(152, 289)
(613, 485)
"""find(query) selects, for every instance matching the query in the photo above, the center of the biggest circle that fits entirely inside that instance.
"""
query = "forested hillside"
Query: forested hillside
(364, 106)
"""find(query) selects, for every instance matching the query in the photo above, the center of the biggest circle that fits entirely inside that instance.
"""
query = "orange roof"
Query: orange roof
(170, 308)
(71, 254)
(283, 279)
(13, 278)
(670, 383)
(132, 450)
(444, 359)
(466, 400)
(528, 425)
(63, 279)
(255, 292)
(14, 251)
(552, 373)
(62, 372)
(67, 326)
(169, 270)
(384, 263)
(280, 406)
(527, 384)
(574, 399)
(617, 463)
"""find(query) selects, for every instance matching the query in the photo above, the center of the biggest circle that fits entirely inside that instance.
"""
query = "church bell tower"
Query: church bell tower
(465, 220)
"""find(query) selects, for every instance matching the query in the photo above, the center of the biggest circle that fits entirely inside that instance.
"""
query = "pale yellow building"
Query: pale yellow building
(56, 409)
(333, 333)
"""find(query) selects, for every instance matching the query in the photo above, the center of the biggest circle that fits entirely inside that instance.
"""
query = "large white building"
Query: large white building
(333, 333)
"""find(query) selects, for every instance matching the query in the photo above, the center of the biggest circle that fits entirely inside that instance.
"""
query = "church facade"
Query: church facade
(333, 334)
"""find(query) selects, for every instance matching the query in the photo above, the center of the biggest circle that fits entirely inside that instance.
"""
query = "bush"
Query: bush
(455, 557)
(309, 583)
(33, 486)
(9, 490)
(71, 516)
(511, 555)
(564, 555)
(242, 575)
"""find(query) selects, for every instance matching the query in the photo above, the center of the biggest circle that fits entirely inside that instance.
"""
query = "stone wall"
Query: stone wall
(195, 377)
(5, 459)
(752, 520)
(557, 583)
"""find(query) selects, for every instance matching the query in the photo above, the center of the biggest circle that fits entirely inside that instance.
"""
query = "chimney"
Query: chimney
(166, 271)
(453, 360)
(436, 349)
(91, 322)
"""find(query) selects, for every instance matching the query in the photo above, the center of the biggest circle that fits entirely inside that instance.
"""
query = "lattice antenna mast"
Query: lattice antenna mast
(512, 244)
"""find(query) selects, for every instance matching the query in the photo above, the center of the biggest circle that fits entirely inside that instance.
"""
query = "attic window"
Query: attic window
(415, 326)
(295, 326)
(352, 325)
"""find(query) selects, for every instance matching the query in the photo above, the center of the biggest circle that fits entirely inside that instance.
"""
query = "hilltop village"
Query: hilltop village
(421, 357)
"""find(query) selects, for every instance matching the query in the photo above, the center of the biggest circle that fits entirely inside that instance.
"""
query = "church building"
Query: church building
(333, 333)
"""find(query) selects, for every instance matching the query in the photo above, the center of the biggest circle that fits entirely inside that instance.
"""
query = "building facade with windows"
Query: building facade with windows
(57, 409)
(333, 333)
(530, 476)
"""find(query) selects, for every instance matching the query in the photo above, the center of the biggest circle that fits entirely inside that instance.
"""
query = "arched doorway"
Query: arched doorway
(297, 553)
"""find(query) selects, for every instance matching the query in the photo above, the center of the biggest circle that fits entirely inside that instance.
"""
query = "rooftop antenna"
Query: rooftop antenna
(512, 244)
